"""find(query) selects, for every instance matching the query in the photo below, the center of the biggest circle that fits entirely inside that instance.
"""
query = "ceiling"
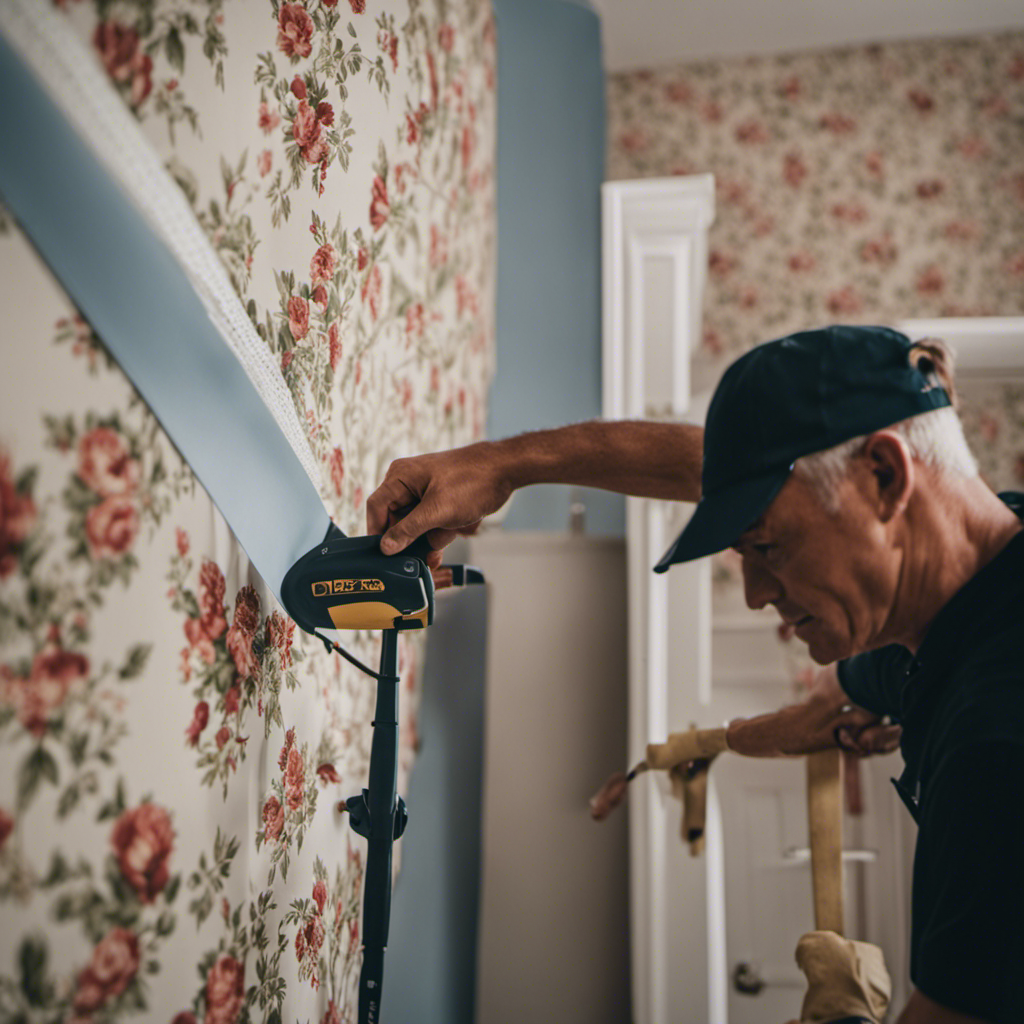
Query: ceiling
(648, 33)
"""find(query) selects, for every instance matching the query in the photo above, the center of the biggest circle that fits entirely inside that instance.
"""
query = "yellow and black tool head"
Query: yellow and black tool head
(347, 583)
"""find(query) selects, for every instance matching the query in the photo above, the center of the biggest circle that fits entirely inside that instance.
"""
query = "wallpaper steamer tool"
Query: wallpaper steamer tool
(161, 300)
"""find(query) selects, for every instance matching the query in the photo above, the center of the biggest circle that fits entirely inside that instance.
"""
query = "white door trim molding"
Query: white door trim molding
(655, 219)
(654, 270)
(985, 346)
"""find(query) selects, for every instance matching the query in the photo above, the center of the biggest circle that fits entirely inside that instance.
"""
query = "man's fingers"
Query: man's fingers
(872, 739)
(392, 496)
(443, 577)
(418, 521)
(880, 739)
(440, 538)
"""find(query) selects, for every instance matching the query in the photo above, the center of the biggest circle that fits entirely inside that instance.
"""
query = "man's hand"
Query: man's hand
(442, 495)
(845, 979)
(824, 719)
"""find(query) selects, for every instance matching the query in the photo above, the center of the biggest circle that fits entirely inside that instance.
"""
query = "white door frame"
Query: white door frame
(654, 270)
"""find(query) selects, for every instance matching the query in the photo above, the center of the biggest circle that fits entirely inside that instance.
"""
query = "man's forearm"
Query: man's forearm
(635, 457)
(789, 732)
(803, 728)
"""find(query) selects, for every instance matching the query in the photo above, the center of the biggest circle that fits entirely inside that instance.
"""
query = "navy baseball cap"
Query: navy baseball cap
(787, 398)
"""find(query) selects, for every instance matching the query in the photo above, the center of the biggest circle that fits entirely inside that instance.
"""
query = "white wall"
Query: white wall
(646, 33)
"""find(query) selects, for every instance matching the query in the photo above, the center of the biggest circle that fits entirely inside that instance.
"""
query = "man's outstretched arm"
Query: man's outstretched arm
(444, 494)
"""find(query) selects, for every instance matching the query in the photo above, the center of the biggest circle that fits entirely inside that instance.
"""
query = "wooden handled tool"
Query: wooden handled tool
(825, 824)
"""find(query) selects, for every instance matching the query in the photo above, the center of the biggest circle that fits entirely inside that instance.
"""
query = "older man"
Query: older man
(834, 463)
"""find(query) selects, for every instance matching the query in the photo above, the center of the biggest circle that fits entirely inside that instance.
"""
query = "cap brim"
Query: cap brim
(721, 518)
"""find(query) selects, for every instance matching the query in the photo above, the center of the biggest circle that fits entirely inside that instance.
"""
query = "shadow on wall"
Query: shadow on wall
(434, 917)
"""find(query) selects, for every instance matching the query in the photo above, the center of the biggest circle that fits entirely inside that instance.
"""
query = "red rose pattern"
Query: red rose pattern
(294, 779)
(273, 819)
(844, 302)
(337, 465)
(319, 895)
(325, 113)
(200, 718)
(294, 31)
(38, 697)
(119, 50)
(225, 991)
(371, 292)
(379, 207)
(334, 346)
(239, 646)
(310, 936)
(111, 527)
(323, 264)
(17, 516)
(298, 317)
(308, 940)
(105, 465)
(289, 742)
(415, 321)
(794, 170)
(143, 840)
(930, 281)
(211, 623)
(267, 119)
(308, 134)
(211, 599)
(247, 610)
(388, 43)
(114, 963)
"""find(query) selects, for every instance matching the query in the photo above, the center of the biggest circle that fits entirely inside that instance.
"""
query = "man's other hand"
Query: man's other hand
(856, 730)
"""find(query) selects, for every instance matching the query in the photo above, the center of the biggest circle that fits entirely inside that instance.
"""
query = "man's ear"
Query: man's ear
(892, 470)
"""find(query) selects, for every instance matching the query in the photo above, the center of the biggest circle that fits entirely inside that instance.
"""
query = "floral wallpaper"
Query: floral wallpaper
(865, 184)
(862, 184)
(992, 413)
(172, 749)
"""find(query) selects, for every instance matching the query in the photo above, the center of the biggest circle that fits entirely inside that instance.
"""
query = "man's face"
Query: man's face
(832, 575)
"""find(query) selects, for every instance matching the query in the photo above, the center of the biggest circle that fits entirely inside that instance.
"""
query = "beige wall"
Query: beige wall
(554, 943)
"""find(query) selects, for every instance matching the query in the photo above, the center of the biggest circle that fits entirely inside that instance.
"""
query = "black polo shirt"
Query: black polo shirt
(960, 701)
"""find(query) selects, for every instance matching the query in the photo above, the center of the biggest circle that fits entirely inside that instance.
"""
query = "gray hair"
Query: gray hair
(935, 438)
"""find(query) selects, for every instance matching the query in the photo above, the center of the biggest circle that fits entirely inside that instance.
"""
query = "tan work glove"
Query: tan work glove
(844, 979)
